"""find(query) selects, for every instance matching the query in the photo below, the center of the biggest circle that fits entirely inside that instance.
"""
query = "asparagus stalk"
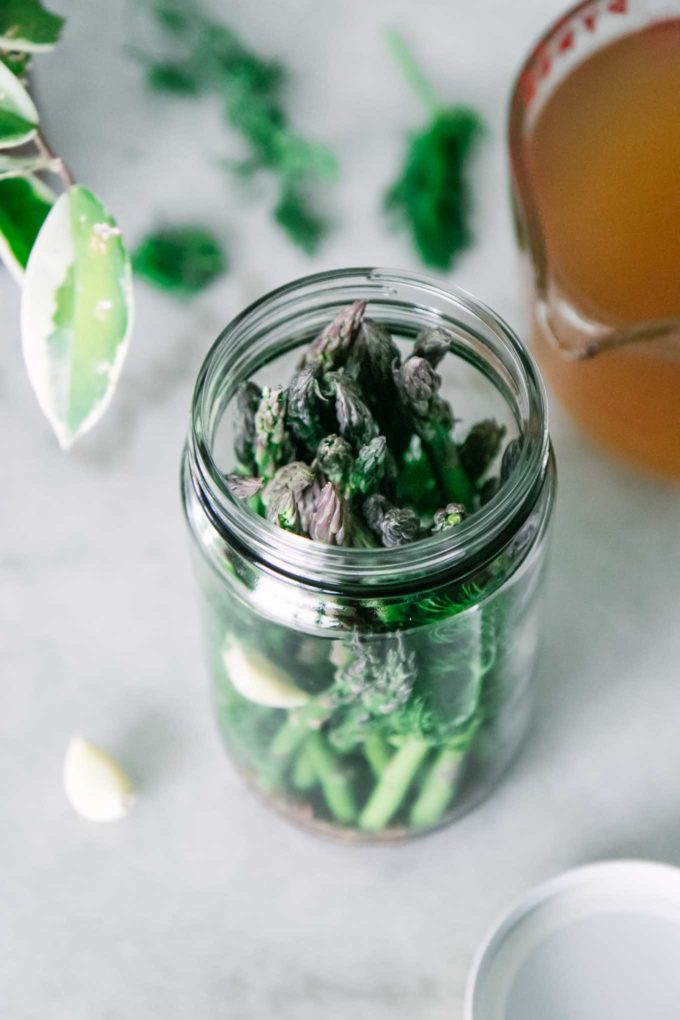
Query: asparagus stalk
(438, 787)
(304, 776)
(336, 789)
(454, 484)
(392, 786)
(432, 418)
(297, 726)
(377, 753)
(270, 442)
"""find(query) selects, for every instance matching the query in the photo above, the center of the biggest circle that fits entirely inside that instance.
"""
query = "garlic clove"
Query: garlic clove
(95, 785)
(259, 680)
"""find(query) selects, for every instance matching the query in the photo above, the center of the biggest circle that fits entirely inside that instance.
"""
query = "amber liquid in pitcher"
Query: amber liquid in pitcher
(604, 156)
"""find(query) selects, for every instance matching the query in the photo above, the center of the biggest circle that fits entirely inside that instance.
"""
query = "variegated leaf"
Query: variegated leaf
(76, 313)
(18, 115)
(25, 26)
(24, 204)
(17, 62)
(22, 166)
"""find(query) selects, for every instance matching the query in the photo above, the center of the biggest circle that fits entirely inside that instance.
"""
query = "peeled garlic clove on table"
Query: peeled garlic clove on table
(95, 785)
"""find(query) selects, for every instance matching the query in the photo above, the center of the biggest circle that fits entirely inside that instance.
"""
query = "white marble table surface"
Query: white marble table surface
(201, 905)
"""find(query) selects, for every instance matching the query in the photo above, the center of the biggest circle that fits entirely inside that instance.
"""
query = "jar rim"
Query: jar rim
(337, 567)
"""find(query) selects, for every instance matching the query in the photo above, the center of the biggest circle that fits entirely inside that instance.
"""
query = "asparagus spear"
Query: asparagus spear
(336, 788)
(331, 521)
(418, 385)
(369, 467)
(439, 787)
(371, 363)
(480, 447)
(247, 401)
(297, 726)
(393, 784)
(244, 486)
(377, 753)
(271, 445)
(334, 460)
(304, 775)
(304, 407)
(283, 496)
(393, 525)
(355, 420)
(332, 348)
(450, 517)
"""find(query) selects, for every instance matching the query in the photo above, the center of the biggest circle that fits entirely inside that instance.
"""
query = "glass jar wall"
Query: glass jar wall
(372, 694)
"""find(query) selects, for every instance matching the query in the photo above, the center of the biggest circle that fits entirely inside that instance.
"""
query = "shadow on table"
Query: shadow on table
(154, 749)
(612, 591)
(660, 843)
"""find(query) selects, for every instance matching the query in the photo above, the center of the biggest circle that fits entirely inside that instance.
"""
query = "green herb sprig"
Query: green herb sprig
(204, 56)
(181, 259)
(431, 198)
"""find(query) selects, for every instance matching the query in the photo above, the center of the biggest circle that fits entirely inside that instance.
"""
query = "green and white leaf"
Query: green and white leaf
(25, 26)
(76, 313)
(24, 205)
(22, 166)
(17, 62)
(18, 115)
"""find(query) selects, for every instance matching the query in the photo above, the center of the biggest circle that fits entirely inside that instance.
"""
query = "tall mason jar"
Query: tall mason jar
(371, 694)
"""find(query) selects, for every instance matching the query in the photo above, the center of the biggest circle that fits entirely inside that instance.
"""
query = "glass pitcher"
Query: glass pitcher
(594, 145)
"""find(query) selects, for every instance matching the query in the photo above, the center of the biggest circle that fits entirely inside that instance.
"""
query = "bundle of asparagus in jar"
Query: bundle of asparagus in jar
(381, 719)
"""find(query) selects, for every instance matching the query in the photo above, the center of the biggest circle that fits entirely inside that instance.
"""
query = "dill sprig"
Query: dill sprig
(205, 56)
(431, 197)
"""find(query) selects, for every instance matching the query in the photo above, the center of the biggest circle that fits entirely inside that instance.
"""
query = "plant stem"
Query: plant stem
(411, 71)
(396, 778)
(336, 790)
(60, 168)
(438, 787)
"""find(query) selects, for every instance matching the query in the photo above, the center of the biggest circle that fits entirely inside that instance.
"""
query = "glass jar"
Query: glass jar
(592, 139)
(371, 694)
